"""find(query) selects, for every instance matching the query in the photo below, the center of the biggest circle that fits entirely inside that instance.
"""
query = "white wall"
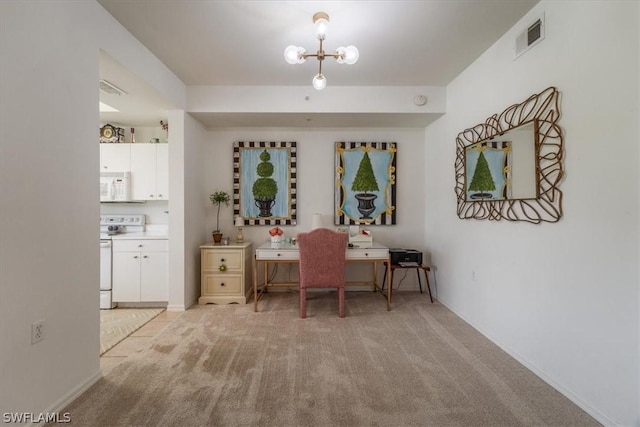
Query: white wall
(49, 252)
(562, 298)
(49, 255)
(188, 167)
(316, 166)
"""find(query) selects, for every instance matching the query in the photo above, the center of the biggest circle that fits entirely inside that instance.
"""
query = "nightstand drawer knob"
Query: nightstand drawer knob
(221, 284)
(221, 259)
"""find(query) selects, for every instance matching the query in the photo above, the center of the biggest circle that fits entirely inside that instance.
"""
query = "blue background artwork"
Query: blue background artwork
(495, 159)
(380, 162)
(249, 160)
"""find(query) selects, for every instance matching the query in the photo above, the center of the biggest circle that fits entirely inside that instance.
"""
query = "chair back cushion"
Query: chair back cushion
(322, 258)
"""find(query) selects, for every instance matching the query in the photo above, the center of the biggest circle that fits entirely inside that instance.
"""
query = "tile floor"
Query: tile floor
(136, 341)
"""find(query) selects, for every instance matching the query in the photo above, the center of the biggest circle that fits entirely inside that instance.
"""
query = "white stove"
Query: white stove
(111, 225)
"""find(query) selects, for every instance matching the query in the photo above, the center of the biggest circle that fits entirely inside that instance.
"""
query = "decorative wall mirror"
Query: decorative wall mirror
(509, 167)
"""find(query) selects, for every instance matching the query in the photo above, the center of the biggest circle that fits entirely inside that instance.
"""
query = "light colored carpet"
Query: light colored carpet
(119, 323)
(417, 365)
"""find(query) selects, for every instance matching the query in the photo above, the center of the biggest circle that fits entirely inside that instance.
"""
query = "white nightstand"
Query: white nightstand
(225, 273)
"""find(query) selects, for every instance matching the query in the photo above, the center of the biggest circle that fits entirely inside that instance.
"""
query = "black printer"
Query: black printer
(405, 255)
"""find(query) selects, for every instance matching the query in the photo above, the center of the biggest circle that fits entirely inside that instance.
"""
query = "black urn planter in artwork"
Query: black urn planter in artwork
(365, 204)
(476, 196)
(265, 207)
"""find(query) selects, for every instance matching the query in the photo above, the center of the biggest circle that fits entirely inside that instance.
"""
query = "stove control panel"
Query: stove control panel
(124, 223)
(122, 219)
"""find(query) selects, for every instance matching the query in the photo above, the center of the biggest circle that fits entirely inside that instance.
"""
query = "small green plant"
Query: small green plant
(218, 198)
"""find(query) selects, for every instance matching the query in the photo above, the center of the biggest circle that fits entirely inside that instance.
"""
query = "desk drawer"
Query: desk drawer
(221, 284)
(276, 255)
(213, 258)
(368, 253)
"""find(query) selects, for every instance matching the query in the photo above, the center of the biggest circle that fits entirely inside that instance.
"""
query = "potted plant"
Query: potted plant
(265, 188)
(365, 181)
(218, 198)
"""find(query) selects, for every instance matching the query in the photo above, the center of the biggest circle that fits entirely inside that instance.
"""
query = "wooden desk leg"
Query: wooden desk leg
(255, 284)
(390, 287)
(375, 276)
(266, 275)
(426, 275)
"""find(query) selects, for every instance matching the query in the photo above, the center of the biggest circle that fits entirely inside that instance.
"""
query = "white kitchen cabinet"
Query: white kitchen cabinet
(115, 157)
(140, 270)
(162, 171)
(150, 171)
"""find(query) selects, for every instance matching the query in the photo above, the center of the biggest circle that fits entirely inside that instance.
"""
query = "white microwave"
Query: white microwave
(115, 186)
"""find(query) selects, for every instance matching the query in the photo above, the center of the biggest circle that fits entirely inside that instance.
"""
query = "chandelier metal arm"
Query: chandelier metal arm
(297, 55)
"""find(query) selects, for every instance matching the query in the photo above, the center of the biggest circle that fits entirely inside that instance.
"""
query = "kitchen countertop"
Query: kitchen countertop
(141, 235)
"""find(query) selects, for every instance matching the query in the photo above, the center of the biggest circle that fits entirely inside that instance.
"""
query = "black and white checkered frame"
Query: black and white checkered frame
(291, 218)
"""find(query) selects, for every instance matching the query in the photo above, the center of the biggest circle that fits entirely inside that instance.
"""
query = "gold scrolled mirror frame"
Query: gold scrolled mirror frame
(542, 110)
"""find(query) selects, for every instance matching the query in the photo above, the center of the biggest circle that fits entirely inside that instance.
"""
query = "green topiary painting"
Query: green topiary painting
(482, 180)
(265, 187)
(365, 179)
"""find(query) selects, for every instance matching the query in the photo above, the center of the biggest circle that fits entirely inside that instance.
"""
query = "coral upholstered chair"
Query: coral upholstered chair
(322, 264)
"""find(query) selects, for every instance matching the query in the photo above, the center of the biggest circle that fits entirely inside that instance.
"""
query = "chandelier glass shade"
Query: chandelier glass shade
(343, 55)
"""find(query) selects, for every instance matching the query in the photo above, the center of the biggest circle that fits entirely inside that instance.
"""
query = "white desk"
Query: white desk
(268, 253)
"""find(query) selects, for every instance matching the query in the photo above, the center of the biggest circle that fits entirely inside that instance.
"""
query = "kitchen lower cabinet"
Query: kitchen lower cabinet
(140, 270)
(225, 273)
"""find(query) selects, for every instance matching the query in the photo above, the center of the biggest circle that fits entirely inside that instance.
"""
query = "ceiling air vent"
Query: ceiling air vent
(531, 36)
(110, 88)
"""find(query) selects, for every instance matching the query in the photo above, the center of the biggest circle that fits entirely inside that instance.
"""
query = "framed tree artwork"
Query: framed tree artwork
(264, 182)
(489, 165)
(365, 183)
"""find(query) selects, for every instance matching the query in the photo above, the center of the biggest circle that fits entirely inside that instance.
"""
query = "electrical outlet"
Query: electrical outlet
(37, 331)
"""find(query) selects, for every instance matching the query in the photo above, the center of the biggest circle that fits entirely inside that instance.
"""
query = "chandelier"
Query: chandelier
(343, 55)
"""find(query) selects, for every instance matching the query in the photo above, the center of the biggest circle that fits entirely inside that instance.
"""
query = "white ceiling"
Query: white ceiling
(241, 43)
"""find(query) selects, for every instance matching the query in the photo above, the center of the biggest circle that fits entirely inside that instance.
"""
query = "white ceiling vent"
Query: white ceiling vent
(530, 36)
(110, 88)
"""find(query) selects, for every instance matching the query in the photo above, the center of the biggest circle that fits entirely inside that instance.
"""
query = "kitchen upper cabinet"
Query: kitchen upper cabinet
(115, 157)
(162, 171)
(150, 171)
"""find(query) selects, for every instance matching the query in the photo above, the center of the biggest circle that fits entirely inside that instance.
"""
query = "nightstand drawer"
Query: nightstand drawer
(212, 259)
(221, 284)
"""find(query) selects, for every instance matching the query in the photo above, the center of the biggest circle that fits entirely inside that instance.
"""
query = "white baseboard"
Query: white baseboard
(182, 307)
(66, 400)
(191, 303)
